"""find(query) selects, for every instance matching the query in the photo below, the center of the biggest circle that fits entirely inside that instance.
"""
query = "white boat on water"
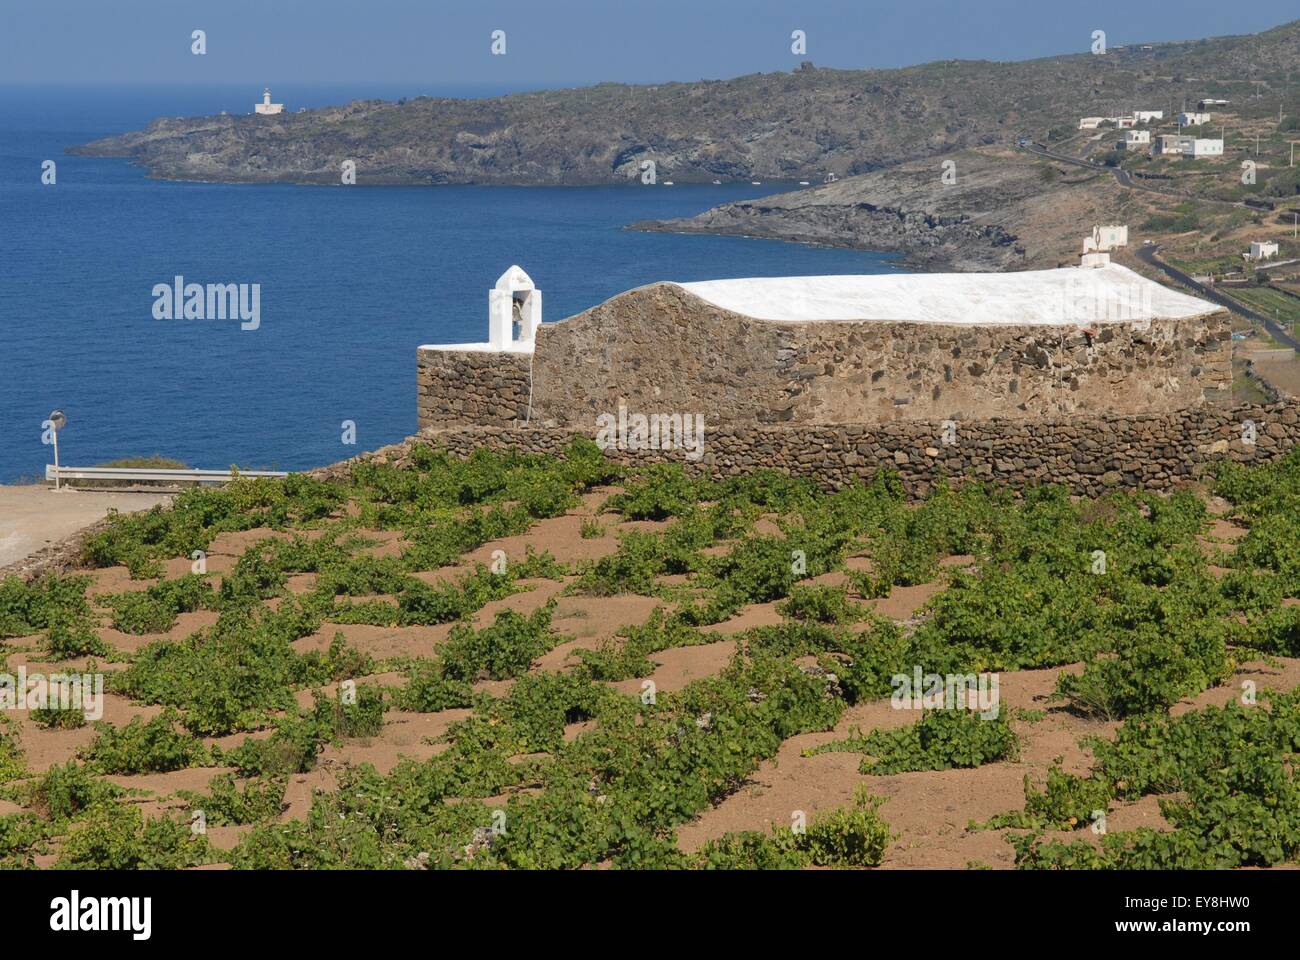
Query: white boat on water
(717, 183)
(804, 183)
(668, 183)
(756, 183)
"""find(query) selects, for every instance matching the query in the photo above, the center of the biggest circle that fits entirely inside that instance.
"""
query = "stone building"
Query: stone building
(818, 351)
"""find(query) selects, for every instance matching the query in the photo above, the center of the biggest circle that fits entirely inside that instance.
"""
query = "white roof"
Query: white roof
(514, 346)
(1060, 297)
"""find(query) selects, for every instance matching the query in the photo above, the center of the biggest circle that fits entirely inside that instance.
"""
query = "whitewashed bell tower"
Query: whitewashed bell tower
(514, 311)
(514, 315)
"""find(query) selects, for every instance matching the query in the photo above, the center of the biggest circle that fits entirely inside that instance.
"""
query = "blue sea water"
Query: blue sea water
(352, 281)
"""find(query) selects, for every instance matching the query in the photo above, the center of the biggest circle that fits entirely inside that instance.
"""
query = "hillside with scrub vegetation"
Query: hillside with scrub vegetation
(798, 124)
(516, 662)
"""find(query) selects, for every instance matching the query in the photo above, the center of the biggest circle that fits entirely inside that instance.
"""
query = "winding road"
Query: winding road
(1124, 179)
(1148, 255)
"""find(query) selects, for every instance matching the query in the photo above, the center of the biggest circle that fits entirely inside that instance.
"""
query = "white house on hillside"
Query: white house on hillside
(1106, 238)
(266, 106)
(1136, 138)
(1171, 144)
(1178, 145)
(1146, 116)
(1091, 123)
(1193, 118)
(1262, 250)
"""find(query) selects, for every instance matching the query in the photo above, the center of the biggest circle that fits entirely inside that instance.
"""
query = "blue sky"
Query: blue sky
(557, 42)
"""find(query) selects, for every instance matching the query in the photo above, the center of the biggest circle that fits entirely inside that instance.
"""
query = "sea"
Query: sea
(351, 280)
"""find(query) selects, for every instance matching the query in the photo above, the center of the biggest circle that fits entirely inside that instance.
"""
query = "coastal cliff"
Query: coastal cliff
(794, 125)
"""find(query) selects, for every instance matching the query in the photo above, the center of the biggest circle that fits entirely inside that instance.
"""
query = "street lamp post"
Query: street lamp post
(57, 420)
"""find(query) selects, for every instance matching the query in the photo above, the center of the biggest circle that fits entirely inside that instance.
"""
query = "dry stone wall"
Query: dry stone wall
(471, 388)
(1090, 455)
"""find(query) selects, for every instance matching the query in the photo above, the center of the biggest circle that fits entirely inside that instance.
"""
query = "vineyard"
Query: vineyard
(523, 662)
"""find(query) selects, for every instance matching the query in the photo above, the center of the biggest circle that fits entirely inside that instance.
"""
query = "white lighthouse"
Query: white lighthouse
(266, 106)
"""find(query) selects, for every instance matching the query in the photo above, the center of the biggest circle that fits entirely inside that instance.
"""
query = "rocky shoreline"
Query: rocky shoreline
(988, 209)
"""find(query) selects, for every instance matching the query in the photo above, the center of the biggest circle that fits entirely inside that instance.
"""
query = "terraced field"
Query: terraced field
(511, 662)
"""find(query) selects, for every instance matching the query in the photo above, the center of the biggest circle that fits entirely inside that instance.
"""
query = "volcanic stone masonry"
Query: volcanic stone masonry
(468, 388)
(1048, 343)
(1089, 377)
(1089, 455)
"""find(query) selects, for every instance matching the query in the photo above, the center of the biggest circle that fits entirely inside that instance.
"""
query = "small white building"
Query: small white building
(1136, 138)
(1262, 250)
(1146, 116)
(266, 107)
(1193, 118)
(1105, 238)
(1169, 144)
(1207, 102)
(1123, 123)
(1091, 123)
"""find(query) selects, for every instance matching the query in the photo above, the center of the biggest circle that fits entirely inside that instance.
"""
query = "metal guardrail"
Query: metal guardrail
(160, 475)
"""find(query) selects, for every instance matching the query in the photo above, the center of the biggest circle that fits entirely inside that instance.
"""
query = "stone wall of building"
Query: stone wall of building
(661, 349)
(471, 388)
(1090, 455)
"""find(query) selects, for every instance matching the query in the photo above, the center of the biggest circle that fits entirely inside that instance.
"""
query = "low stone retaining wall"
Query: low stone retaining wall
(1088, 455)
(56, 558)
